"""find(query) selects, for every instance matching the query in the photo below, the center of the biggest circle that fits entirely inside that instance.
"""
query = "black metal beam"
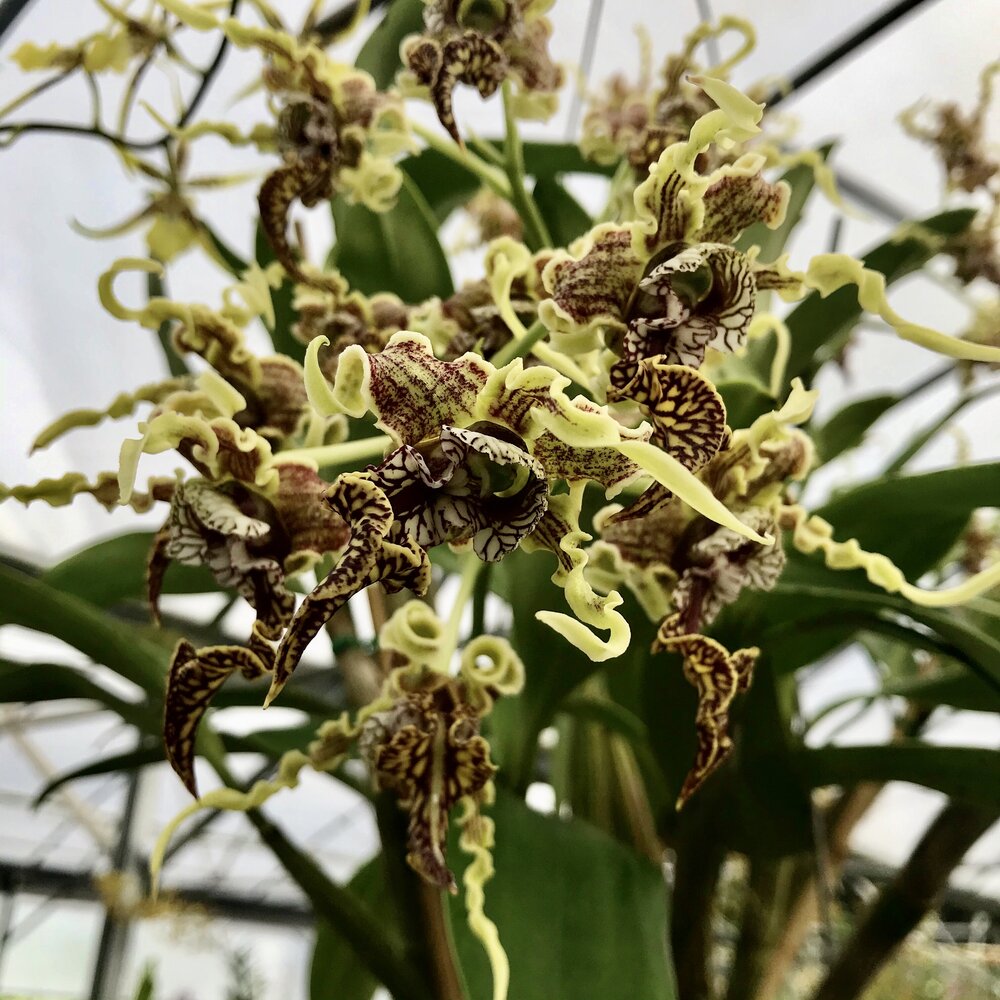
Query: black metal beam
(77, 885)
(837, 53)
(10, 11)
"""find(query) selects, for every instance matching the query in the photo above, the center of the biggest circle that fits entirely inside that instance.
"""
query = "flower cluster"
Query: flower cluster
(500, 410)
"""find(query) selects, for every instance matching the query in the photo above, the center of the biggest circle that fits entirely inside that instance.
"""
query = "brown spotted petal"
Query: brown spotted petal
(723, 564)
(688, 415)
(718, 676)
(427, 749)
(667, 320)
(738, 200)
(194, 678)
(594, 290)
(206, 527)
(469, 485)
(470, 58)
(378, 551)
(307, 179)
(219, 341)
(412, 393)
(311, 528)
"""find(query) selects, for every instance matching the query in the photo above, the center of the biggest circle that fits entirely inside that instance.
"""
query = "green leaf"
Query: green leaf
(335, 972)
(580, 916)
(952, 685)
(395, 251)
(36, 605)
(146, 990)
(745, 402)
(608, 714)
(132, 760)
(281, 300)
(565, 218)
(772, 242)
(114, 570)
(819, 327)
(546, 159)
(444, 184)
(380, 53)
(273, 742)
(967, 773)
(847, 428)
(38, 682)
(923, 437)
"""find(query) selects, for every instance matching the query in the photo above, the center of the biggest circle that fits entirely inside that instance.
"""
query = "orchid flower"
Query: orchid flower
(482, 43)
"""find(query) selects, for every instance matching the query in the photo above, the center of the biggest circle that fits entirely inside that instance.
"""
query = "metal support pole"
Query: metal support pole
(115, 933)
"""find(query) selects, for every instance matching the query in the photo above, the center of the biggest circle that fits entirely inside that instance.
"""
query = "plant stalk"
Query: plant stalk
(536, 234)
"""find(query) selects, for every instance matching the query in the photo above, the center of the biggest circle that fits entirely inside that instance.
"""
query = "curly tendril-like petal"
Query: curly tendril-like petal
(670, 203)
(104, 489)
(502, 673)
(718, 676)
(477, 839)
(831, 271)
(814, 534)
(123, 405)
(289, 768)
(219, 448)
(413, 631)
(193, 15)
(559, 531)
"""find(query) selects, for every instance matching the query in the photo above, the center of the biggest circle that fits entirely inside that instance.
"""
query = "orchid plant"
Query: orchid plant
(602, 442)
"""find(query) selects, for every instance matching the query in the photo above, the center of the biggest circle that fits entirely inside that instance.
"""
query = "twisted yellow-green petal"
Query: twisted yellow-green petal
(831, 271)
(560, 532)
(477, 839)
(123, 405)
(104, 489)
(414, 631)
(814, 534)
(505, 672)
(289, 768)
(668, 472)
(193, 15)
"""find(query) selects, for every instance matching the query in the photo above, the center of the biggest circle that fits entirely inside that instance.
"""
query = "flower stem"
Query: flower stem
(33, 92)
(519, 347)
(471, 567)
(493, 179)
(535, 231)
(344, 453)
